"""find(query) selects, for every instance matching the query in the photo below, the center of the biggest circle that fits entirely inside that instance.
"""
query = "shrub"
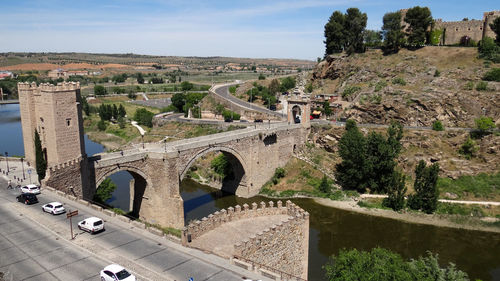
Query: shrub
(232, 89)
(99, 90)
(144, 117)
(482, 86)
(101, 125)
(349, 90)
(469, 86)
(437, 126)
(131, 96)
(325, 185)
(262, 77)
(492, 75)
(437, 73)
(380, 85)
(398, 80)
(484, 123)
(468, 149)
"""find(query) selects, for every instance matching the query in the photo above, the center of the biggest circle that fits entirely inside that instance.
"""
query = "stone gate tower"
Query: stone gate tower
(55, 112)
(299, 111)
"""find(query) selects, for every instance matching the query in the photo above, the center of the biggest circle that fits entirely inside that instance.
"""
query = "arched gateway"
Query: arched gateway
(55, 112)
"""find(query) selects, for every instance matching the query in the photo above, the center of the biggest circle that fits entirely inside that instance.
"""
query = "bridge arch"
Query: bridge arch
(238, 163)
(141, 182)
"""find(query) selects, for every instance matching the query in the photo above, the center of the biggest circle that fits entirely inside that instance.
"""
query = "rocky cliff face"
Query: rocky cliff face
(414, 87)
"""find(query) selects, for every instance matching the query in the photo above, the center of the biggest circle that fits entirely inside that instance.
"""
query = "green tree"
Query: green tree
(345, 32)
(140, 78)
(489, 50)
(372, 38)
(419, 20)
(492, 75)
(326, 108)
(484, 124)
(396, 191)
(115, 112)
(121, 111)
(425, 186)
(262, 77)
(99, 90)
(287, 83)
(144, 117)
(334, 33)
(85, 105)
(352, 170)
(101, 125)
(495, 26)
(187, 86)
(41, 162)
(221, 166)
(325, 185)
(382, 264)
(274, 86)
(179, 100)
(121, 122)
(393, 34)
(219, 108)
(105, 191)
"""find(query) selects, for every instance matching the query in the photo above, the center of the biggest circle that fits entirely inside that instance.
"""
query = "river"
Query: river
(475, 252)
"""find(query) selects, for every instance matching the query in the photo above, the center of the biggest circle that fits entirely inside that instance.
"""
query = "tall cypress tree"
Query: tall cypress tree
(41, 162)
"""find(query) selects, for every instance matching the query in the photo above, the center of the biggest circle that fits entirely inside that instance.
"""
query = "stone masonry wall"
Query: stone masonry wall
(66, 177)
(455, 30)
(283, 248)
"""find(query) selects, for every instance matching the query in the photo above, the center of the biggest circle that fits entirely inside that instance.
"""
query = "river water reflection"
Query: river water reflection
(476, 252)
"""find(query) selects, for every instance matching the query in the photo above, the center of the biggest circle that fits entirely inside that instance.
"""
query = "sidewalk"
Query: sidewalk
(15, 171)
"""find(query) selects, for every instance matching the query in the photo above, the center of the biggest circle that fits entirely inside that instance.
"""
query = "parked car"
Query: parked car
(91, 225)
(54, 208)
(27, 198)
(30, 188)
(257, 121)
(228, 120)
(115, 272)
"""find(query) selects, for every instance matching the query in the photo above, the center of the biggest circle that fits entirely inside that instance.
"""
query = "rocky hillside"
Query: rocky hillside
(414, 87)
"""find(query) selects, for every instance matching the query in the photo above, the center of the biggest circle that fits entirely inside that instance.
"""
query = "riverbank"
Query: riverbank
(413, 217)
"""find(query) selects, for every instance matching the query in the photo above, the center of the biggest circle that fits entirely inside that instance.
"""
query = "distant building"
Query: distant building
(6, 74)
(58, 73)
(78, 72)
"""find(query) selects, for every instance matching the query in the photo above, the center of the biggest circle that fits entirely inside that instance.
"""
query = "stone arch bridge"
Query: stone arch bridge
(158, 168)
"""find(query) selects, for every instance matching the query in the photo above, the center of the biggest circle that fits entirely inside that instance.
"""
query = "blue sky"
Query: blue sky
(247, 28)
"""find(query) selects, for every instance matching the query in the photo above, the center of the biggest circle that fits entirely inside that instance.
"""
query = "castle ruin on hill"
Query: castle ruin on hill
(454, 31)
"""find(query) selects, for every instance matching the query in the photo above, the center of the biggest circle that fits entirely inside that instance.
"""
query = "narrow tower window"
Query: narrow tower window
(68, 122)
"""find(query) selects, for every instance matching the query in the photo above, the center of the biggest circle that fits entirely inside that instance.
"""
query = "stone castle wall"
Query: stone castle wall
(455, 30)
(283, 248)
(67, 177)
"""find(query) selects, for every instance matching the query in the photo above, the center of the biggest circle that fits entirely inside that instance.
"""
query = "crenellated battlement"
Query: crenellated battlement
(66, 164)
(47, 87)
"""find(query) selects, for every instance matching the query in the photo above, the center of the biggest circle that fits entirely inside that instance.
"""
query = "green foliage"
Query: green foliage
(419, 20)
(469, 86)
(309, 87)
(326, 108)
(187, 86)
(85, 106)
(119, 78)
(437, 126)
(372, 38)
(262, 77)
(99, 90)
(394, 37)
(221, 166)
(232, 89)
(102, 125)
(121, 111)
(105, 191)
(144, 117)
(131, 95)
(287, 83)
(278, 174)
(492, 75)
(481, 185)
(426, 190)
(484, 123)
(396, 191)
(459, 209)
(178, 100)
(382, 264)
(489, 50)
(437, 73)
(380, 85)
(482, 86)
(228, 114)
(468, 148)
(106, 112)
(325, 185)
(398, 80)
(274, 86)
(140, 78)
(157, 80)
(41, 162)
(495, 26)
(121, 122)
(435, 36)
(349, 90)
(344, 32)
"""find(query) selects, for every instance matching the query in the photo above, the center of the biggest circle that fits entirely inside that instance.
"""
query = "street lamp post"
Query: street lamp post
(142, 137)
(22, 166)
(7, 159)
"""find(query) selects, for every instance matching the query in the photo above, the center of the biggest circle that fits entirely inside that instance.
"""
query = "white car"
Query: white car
(91, 225)
(115, 272)
(30, 188)
(54, 208)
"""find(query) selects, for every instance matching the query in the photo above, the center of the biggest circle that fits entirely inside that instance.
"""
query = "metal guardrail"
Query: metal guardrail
(283, 275)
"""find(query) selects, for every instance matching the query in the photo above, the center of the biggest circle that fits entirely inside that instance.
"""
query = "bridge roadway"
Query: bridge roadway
(36, 246)
(139, 150)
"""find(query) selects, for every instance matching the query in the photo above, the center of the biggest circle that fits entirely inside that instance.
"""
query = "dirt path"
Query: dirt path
(485, 203)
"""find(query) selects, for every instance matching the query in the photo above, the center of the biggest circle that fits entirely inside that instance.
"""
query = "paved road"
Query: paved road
(36, 246)
(223, 91)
